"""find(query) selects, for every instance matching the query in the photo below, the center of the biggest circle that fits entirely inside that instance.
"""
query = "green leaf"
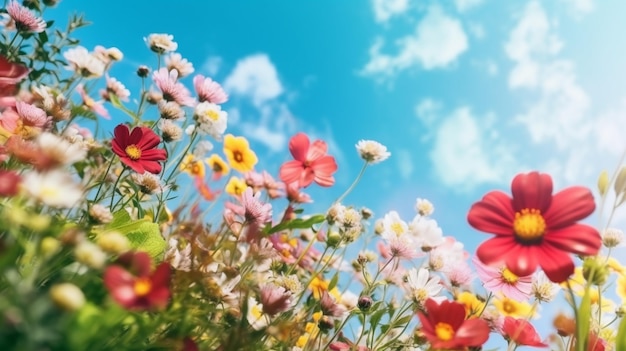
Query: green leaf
(583, 321)
(143, 234)
(333, 282)
(298, 223)
(115, 101)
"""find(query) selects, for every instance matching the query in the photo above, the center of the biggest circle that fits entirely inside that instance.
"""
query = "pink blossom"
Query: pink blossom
(25, 20)
(501, 280)
(172, 90)
(209, 90)
(310, 164)
(275, 299)
(295, 195)
(91, 104)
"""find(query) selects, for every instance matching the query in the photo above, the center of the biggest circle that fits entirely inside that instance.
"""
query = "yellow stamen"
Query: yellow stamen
(444, 331)
(133, 152)
(529, 225)
(508, 276)
(143, 286)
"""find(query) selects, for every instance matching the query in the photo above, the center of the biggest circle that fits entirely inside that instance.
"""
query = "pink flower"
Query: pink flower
(10, 75)
(9, 183)
(275, 299)
(255, 210)
(295, 195)
(209, 90)
(25, 20)
(141, 289)
(310, 164)
(172, 90)
(91, 104)
(502, 280)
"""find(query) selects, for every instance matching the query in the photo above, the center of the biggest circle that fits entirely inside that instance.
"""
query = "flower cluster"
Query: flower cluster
(164, 231)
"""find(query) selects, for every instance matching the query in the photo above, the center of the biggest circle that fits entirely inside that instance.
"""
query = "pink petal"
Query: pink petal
(568, 206)
(299, 146)
(318, 149)
(580, 239)
(290, 171)
(493, 214)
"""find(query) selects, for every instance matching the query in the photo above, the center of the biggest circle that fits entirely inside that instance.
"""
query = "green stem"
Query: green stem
(354, 183)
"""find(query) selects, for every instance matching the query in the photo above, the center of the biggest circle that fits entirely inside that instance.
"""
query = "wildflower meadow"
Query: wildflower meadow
(163, 232)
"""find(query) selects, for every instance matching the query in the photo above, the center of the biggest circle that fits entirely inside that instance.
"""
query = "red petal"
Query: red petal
(318, 149)
(161, 275)
(521, 332)
(299, 146)
(532, 190)
(495, 250)
(149, 139)
(118, 149)
(523, 260)
(141, 264)
(473, 332)
(121, 135)
(134, 165)
(151, 166)
(136, 135)
(493, 214)
(154, 155)
(580, 239)
(557, 265)
(568, 206)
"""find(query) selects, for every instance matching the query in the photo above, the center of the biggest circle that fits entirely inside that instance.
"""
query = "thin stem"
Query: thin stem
(356, 181)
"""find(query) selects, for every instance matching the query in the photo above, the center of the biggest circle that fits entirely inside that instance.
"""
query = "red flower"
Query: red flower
(141, 290)
(311, 163)
(10, 75)
(521, 332)
(535, 228)
(445, 327)
(137, 149)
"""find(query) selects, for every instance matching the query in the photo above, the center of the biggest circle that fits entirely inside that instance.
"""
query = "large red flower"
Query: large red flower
(521, 332)
(445, 327)
(535, 228)
(311, 163)
(139, 289)
(10, 75)
(137, 149)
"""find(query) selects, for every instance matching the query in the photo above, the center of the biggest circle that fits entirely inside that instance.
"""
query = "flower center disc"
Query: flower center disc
(142, 286)
(444, 331)
(133, 152)
(508, 276)
(238, 156)
(529, 225)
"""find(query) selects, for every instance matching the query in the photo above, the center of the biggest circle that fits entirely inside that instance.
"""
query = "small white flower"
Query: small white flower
(177, 62)
(67, 296)
(424, 207)
(612, 237)
(115, 54)
(256, 318)
(421, 286)
(90, 255)
(372, 151)
(55, 188)
(170, 130)
(211, 119)
(394, 226)
(427, 232)
(335, 213)
(161, 43)
(60, 150)
(100, 213)
(542, 288)
(202, 148)
(189, 130)
(84, 63)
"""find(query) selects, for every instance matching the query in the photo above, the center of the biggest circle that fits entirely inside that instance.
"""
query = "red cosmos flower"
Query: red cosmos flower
(10, 75)
(311, 163)
(521, 332)
(141, 290)
(137, 149)
(535, 228)
(445, 327)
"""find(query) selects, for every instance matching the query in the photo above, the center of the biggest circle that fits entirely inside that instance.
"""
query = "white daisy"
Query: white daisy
(372, 151)
(55, 188)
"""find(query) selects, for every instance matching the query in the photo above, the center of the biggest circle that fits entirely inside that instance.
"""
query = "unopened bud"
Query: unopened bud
(365, 302)
(67, 296)
(603, 182)
(49, 246)
(333, 239)
(114, 243)
(143, 71)
(594, 271)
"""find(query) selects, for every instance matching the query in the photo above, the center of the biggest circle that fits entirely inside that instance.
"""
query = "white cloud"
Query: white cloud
(465, 154)
(255, 77)
(579, 8)
(385, 9)
(437, 42)
(272, 128)
(427, 110)
(464, 5)
(212, 65)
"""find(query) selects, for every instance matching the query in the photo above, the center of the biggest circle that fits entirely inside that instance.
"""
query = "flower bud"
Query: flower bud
(603, 182)
(365, 302)
(49, 246)
(67, 296)
(594, 271)
(333, 239)
(564, 325)
(90, 255)
(114, 243)
(612, 237)
(143, 71)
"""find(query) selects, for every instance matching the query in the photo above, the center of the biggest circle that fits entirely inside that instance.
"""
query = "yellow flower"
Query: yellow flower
(192, 166)
(318, 286)
(473, 306)
(621, 288)
(217, 165)
(509, 307)
(238, 153)
(235, 186)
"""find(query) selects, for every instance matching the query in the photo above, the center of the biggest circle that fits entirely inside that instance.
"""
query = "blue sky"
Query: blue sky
(464, 93)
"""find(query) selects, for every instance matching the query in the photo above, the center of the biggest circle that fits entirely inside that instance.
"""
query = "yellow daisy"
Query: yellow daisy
(621, 288)
(217, 165)
(235, 186)
(473, 305)
(516, 309)
(192, 166)
(238, 153)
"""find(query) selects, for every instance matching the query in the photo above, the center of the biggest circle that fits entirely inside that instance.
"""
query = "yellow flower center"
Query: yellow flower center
(509, 307)
(420, 295)
(217, 167)
(529, 225)
(213, 115)
(444, 331)
(133, 152)
(238, 156)
(396, 227)
(142, 286)
(508, 276)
